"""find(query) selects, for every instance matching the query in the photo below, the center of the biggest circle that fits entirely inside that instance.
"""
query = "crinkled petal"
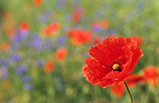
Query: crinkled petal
(122, 50)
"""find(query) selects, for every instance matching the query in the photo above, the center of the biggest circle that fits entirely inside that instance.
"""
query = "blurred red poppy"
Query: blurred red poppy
(118, 90)
(138, 39)
(151, 74)
(48, 31)
(97, 40)
(104, 24)
(49, 66)
(9, 24)
(24, 25)
(79, 36)
(61, 53)
(5, 46)
(9, 30)
(77, 14)
(113, 61)
(37, 2)
(132, 81)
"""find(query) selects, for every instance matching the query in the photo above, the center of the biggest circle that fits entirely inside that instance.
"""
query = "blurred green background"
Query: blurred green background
(66, 83)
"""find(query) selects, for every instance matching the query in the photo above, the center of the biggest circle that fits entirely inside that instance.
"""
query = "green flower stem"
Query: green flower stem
(128, 91)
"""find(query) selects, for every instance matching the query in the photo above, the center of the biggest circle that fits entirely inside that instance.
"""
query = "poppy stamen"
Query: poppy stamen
(115, 66)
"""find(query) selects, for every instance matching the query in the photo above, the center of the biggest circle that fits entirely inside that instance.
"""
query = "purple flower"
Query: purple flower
(4, 72)
(15, 46)
(37, 42)
(25, 78)
(61, 4)
(16, 57)
(20, 36)
(111, 31)
(96, 28)
(21, 70)
(4, 62)
(39, 63)
(24, 33)
(44, 17)
(61, 40)
(99, 13)
(27, 86)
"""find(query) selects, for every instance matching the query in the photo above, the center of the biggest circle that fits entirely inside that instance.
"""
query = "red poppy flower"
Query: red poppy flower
(138, 39)
(79, 36)
(24, 26)
(76, 17)
(132, 81)
(97, 40)
(104, 24)
(61, 53)
(118, 90)
(49, 66)
(37, 2)
(9, 24)
(5, 46)
(51, 29)
(113, 61)
(77, 14)
(151, 74)
(9, 30)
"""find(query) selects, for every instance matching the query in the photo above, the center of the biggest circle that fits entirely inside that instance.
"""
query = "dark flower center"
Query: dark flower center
(116, 66)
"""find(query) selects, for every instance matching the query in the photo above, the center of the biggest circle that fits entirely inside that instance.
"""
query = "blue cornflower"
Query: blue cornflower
(110, 31)
(4, 72)
(21, 70)
(61, 40)
(37, 42)
(15, 46)
(25, 78)
(20, 36)
(16, 57)
(96, 28)
(39, 63)
(4, 62)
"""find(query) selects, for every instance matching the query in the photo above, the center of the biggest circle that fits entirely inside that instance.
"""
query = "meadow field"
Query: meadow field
(44, 44)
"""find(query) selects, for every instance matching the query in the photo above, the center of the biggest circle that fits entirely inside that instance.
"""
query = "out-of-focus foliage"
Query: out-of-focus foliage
(29, 42)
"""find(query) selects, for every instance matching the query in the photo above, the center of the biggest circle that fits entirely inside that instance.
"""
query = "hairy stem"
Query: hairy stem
(128, 91)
